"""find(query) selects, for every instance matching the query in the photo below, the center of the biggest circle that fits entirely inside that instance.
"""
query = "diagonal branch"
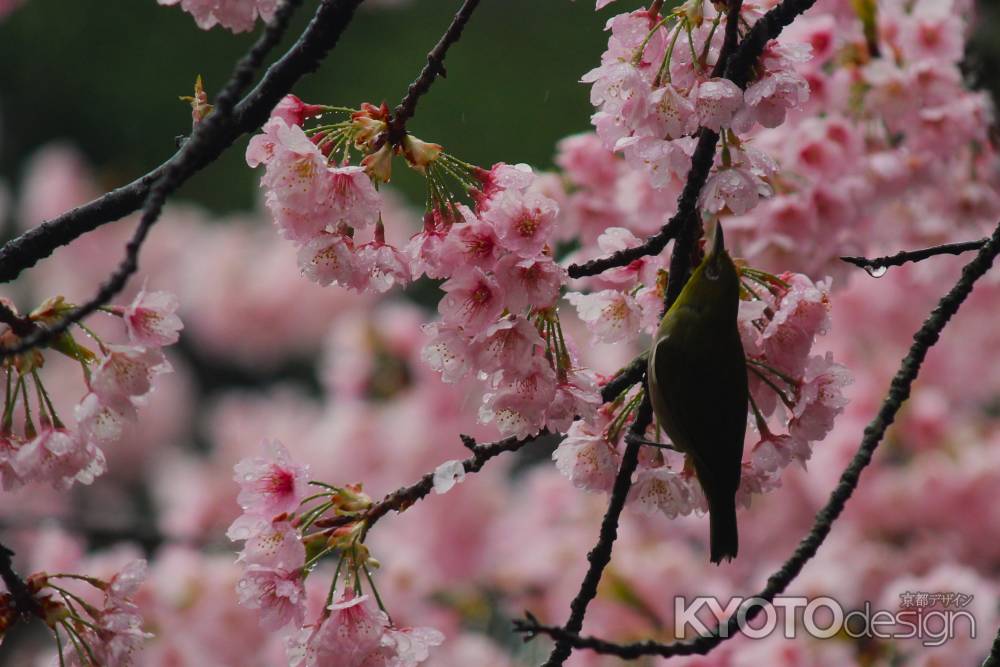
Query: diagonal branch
(600, 555)
(899, 390)
(434, 68)
(881, 263)
(208, 139)
(402, 498)
(305, 56)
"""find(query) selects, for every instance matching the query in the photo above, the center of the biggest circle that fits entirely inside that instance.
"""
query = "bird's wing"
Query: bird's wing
(704, 389)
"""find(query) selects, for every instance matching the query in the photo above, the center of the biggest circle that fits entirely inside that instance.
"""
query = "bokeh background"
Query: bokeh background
(104, 79)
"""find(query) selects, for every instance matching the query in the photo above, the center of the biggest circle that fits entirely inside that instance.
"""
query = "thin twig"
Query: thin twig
(206, 139)
(899, 391)
(402, 498)
(434, 68)
(905, 256)
(305, 56)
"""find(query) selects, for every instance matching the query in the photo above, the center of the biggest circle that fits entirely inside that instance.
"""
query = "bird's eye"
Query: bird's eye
(712, 271)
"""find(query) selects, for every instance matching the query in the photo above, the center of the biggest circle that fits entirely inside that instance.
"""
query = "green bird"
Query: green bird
(698, 387)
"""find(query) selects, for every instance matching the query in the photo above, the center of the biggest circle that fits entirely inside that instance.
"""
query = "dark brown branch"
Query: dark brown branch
(600, 555)
(24, 602)
(899, 391)
(305, 56)
(904, 256)
(625, 378)
(402, 498)
(434, 68)
(993, 659)
(21, 326)
(210, 137)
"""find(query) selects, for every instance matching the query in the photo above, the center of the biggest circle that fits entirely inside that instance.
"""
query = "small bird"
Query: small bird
(698, 387)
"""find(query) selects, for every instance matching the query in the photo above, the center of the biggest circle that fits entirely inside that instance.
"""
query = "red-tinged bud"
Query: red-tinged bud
(378, 165)
(372, 111)
(367, 131)
(419, 153)
(324, 148)
(294, 111)
(200, 108)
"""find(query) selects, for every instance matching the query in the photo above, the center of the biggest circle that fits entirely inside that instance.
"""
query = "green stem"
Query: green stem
(777, 390)
(663, 74)
(378, 598)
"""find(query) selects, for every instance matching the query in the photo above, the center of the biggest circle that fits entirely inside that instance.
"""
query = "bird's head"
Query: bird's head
(715, 284)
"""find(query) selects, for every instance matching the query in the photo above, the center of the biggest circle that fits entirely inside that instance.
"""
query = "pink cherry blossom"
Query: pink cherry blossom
(329, 258)
(235, 15)
(294, 111)
(472, 243)
(820, 398)
(447, 351)
(523, 221)
(271, 484)
(587, 458)
(509, 344)
(269, 543)
(472, 300)
(529, 283)
(151, 319)
(386, 266)
(103, 422)
(716, 102)
(277, 592)
(664, 490)
(127, 372)
(611, 316)
(736, 190)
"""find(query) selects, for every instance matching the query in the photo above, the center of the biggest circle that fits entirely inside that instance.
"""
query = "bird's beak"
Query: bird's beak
(718, 242)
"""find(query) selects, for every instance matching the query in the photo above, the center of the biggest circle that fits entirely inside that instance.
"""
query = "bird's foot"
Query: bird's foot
(634, 439)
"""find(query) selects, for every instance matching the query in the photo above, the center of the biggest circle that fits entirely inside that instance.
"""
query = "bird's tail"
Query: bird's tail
(722, 528)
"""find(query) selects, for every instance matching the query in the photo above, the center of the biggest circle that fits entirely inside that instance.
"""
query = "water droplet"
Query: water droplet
(876, 271)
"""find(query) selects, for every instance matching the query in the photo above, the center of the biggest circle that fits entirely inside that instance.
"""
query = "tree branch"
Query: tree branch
(24, 602)
(993, 659)
(434, 67)
(904, 256)
(319, 37)
(899, 391)
(402, 498)
(209, 138)
(600, 555)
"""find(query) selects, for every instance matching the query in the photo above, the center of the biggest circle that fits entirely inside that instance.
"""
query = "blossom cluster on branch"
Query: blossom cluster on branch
(854, 133)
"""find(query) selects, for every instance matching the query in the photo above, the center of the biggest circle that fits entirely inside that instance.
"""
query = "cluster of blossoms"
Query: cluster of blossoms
(321, 205)
(117, 377)
(285, 538)
(97, 633)
(779, 320)
(851, 106)
(234, 15)
(654, 88)
(498, 313)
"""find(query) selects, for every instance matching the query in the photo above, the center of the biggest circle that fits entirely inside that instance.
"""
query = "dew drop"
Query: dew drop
(876, 271)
